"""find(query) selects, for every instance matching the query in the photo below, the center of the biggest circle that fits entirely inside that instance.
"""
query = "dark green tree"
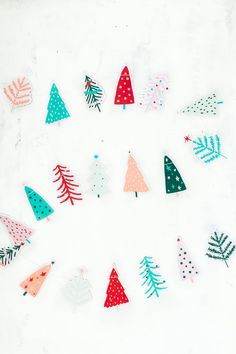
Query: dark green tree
(173, 179)
(93, 93)
(220, 248)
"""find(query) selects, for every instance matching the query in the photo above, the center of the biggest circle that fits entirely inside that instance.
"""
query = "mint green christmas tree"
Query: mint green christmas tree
(174, 181)
(56, 107)
(39, 206)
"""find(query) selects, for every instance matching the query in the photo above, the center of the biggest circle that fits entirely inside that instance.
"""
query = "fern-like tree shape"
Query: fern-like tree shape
(207, 148)
(67, 187)
(8, 254)
(93, 93)
(151, 278)
(220, 248)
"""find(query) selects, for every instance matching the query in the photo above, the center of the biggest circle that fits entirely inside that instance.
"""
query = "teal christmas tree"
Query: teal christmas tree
(173, 179)
(151, 278)
(204, 106)
(220, 247)
(56, 107)
(39, 206)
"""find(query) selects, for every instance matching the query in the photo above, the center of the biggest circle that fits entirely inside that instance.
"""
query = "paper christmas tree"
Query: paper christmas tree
(39, 206)
(205, 106)
(173, 179)
(115, 291)
(56, 107)
(124, 92)
(93, 93)
(98, 180)
(7, 254)
(77, 290)
(19, 92)
(207, 149)
(17, 231)
(220, 247)
(34, 282)
(134, 181)
(152, 96)
(67, 187)
(186, 267)
(151, 277)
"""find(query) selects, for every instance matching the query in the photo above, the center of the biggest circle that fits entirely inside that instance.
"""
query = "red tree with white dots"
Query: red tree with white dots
(124, 91)
(115, 291)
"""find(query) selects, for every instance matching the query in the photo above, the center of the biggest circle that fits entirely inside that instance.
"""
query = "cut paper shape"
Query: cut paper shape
(205, 106)
(94, 93)
(7, 254)
(153, 96)
(173, 180)
(115, 291)
(39, 206)
(186, 266)
(98, 180)
(134, 181)
(220, 248)
(33, 283)
(67, 187)
(77, 290)
(56, 107)
(124, 92)
(151, 277)
(17, 231)
(19, 92)
(207, 149)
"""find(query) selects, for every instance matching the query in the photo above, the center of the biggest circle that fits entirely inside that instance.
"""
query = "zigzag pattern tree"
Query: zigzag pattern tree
(67, 187)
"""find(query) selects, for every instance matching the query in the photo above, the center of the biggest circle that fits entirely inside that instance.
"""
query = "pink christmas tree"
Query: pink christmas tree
(17, 231)
(134, 181)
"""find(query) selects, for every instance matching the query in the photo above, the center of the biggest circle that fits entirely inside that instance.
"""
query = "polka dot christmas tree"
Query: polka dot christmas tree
(34, 282)
(173, 179)
(115, 291)
(17, 231)
(124, 92)
(56, 107)
(204, 106)
(39, 206)
(186, 267)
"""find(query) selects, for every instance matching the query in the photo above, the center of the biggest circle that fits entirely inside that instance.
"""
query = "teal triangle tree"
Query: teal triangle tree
(173, 179)
(56, 107)
(39, 206)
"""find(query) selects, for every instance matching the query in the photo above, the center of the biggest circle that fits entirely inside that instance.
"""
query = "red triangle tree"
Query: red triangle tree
(115, 291)
(124, 92)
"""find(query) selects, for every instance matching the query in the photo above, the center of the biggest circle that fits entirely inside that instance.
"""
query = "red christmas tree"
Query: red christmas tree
(67, 187)
(124, 91)
(115, 291)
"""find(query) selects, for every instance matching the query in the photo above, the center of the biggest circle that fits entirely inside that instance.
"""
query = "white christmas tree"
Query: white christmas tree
(77, 289)
(152, 96)
(186, 266)
(98, 180)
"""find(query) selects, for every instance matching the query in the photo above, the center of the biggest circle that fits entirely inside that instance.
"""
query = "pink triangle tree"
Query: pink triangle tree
(17, 231)
(134, 181)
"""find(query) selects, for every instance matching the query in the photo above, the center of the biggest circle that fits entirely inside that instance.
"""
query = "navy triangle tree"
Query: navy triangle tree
(56, 107)
(93, 93)
(173, 180)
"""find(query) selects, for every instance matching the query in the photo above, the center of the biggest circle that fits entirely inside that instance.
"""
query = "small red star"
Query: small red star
(31, 279)
(187, 138)
(43, 274)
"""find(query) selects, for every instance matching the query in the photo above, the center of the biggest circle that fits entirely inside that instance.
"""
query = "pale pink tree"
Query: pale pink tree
(134, 181)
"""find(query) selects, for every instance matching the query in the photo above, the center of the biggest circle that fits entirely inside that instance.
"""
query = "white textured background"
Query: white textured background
(59, 40)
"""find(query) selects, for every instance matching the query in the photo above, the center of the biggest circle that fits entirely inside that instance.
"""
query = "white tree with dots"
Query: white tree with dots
(186, 266)
(98, 179)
